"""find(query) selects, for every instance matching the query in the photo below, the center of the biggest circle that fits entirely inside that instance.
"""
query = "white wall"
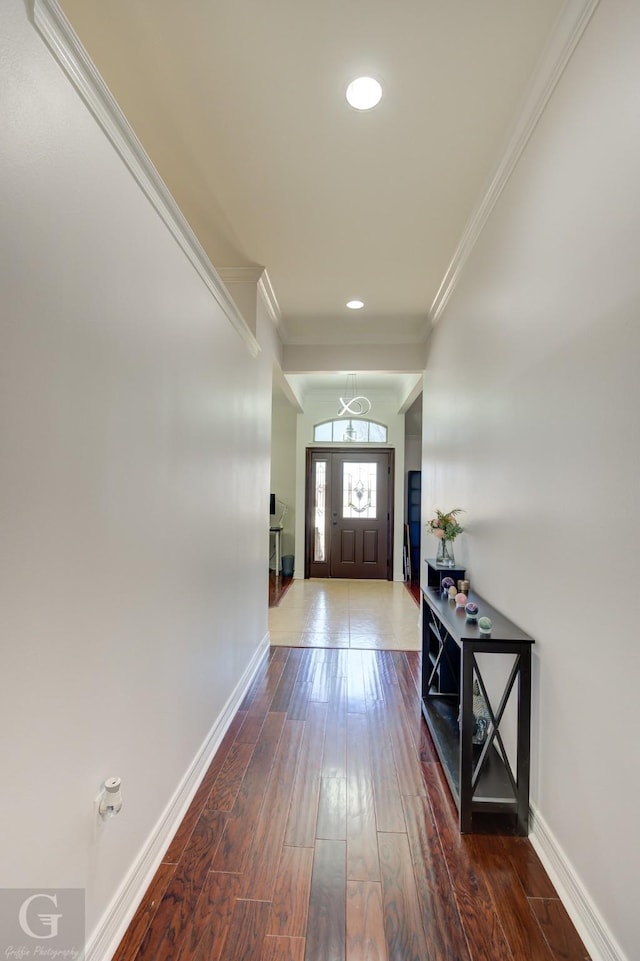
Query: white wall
(135, 433)
(323, 405)
(531, 400)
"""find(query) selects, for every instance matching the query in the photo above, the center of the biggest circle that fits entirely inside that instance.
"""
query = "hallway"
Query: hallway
(324, 829)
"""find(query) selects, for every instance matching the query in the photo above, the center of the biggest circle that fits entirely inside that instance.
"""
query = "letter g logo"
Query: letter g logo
(49, 921)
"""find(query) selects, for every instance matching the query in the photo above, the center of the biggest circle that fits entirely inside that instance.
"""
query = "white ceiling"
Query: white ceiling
(240, 105)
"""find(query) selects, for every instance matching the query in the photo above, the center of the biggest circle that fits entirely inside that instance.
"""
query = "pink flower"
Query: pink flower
(438, 532)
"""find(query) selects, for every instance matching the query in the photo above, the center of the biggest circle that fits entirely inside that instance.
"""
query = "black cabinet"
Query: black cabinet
(466, 724)
(414, 494)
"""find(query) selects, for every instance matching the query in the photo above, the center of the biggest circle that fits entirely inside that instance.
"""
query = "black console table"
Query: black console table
(480, 776)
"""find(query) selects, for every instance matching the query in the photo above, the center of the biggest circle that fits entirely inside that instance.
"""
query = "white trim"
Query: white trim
(571, 24)
(269, 295)
(67, 49)
(112, 926)
(598, 939)
(241, 275)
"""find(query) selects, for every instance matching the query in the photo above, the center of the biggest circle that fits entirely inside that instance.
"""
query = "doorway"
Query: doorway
(349, 513)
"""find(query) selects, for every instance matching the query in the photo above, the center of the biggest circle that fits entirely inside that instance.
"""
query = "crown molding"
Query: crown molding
(269, 295)
(570, 26)
(256, 278)
(65, 45)
(240, 275)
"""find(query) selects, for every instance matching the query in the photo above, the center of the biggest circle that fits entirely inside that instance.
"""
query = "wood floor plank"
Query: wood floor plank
(408, 765)
(251, 728)
(564, 941)
(332, 809)
(301, 695)
(405, 936)
(283, 949)
(405, 749)
(372, 682)
(528, 867)
(408, 690)
(299, 702)
(386, 790)
(260, 674)
(356, 695)
(365, 922)
(426, 748)
(326, 928)
(334, 760)
(174, 917)
(303, 812)
(247, 931)
(413, 707)
(414, 660)
(440, 915)
(290, 904)
(386, 670)
(322, 682)
(225, 790)
(268, 836)
(261, 703)
(184, 832)
(204, 940)
(358, 746)
(521, 929)
(342, 660)
(482, 928)
(362, 839)
(146, 911)
(236, 840)
(282, 695)
(269, 668)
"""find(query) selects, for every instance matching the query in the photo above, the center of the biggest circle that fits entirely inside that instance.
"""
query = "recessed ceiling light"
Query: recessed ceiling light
(355, 304)
(363, 93)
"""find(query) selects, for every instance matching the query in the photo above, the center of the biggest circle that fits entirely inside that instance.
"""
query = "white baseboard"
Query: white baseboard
(598, 939)
(105, 939)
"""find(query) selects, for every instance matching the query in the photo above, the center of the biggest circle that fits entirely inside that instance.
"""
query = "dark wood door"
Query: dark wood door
(349, 513)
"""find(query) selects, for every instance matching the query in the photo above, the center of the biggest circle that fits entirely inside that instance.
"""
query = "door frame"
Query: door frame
(308, 501)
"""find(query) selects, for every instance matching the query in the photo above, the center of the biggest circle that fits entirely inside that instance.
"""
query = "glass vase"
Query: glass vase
(445, 556)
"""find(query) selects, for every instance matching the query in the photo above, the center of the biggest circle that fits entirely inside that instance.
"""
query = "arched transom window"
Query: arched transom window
(351, 430)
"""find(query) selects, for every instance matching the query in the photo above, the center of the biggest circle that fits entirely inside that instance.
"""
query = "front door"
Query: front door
(349, 513)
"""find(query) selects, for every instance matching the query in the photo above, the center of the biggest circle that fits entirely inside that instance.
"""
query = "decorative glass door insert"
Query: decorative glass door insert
(359, 490)
(319, 510)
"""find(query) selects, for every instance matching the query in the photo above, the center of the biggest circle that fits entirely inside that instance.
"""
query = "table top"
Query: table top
(455, 620)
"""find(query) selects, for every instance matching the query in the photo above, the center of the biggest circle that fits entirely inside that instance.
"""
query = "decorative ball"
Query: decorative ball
(446, 583)
(452, 592)
(471, 610)
(484, 624)
(461, 599)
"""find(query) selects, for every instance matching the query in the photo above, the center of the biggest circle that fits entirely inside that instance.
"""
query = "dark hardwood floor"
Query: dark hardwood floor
(278, 587)
(324, 831)
(413, 586)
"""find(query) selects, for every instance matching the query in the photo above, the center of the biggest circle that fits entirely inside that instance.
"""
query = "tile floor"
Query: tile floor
(371, 615)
